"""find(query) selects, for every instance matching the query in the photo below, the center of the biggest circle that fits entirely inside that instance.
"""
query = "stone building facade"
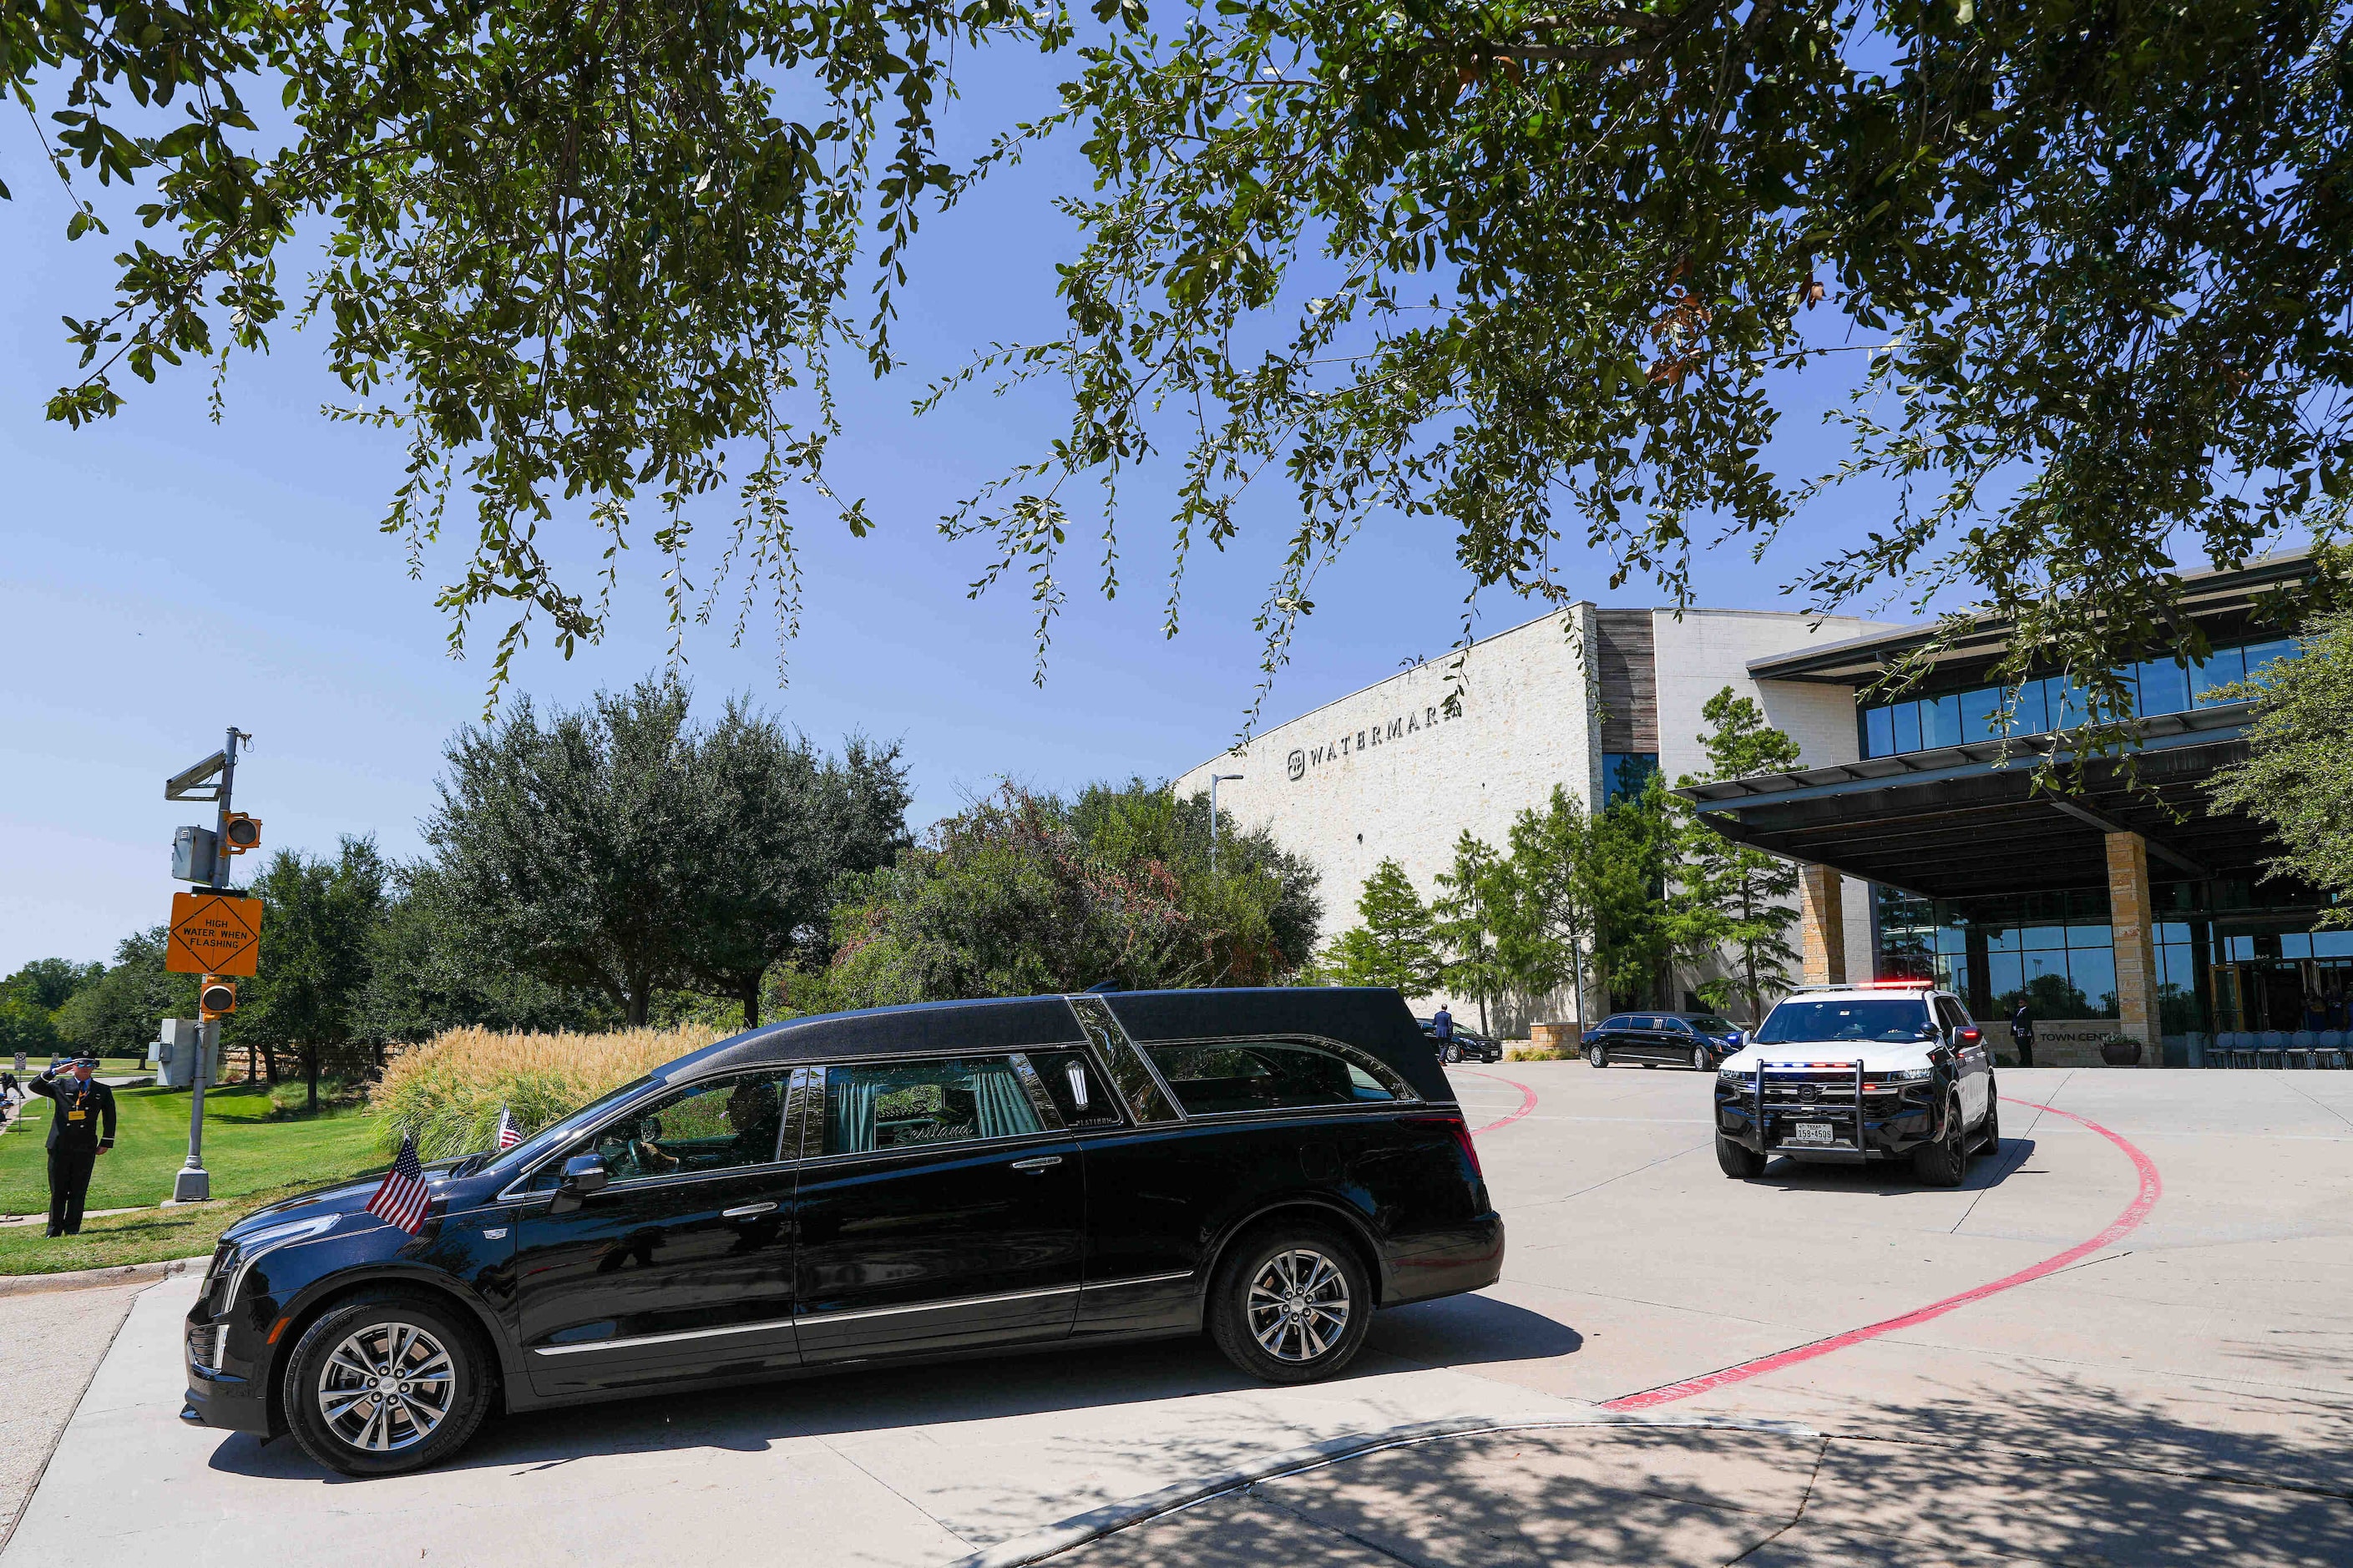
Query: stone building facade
(1398, 770)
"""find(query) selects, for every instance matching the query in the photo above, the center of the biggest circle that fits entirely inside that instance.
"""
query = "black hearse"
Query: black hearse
(911, 1181)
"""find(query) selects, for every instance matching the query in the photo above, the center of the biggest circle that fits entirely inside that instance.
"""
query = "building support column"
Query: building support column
(1976, 953)
(2132, 930)
(1821, 923)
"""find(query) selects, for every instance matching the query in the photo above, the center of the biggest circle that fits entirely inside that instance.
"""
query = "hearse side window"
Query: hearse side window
(1129, 1070)
(907, 1105)
(1076, 1087)
(715, 1125)
(1618, 1022)
(1264, 1075)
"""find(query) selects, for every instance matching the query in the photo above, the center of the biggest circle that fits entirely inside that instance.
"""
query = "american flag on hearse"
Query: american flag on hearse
(509, 1133)
(402, 1197)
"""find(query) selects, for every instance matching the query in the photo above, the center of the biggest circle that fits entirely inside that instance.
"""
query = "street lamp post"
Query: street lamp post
(1214, 781)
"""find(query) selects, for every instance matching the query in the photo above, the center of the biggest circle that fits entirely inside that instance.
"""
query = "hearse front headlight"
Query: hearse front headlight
(251, 1249)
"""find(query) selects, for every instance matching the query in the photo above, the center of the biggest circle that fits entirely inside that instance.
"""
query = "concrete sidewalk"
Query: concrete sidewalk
(54, 1345)
(917, 1467)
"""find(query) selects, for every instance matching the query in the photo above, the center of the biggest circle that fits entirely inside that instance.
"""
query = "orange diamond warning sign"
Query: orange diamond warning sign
(214, 933)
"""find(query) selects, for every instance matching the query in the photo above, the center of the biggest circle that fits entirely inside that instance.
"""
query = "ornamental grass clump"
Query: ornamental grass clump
(447, 1092)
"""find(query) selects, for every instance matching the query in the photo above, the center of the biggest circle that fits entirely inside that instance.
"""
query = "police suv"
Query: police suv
(1850, 1073)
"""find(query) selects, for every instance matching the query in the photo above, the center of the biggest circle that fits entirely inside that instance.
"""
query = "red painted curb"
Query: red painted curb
(1527, 1101)
(2152, 1187)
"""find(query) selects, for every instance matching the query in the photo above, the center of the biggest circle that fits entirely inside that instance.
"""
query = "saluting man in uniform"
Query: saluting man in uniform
(75, 1138)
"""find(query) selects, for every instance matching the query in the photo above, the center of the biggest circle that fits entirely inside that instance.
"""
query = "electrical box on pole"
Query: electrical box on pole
(180, 1056)
(194, 850)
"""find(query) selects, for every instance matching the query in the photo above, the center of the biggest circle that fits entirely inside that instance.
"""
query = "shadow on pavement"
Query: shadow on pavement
(1893, 1178)
(2069, 1474)
(758, 1417)
(1469, 1330)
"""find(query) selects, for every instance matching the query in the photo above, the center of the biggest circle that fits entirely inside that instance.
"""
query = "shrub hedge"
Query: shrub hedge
(447, 1092)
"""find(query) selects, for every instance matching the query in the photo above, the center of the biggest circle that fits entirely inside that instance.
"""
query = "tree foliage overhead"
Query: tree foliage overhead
(2298, 777)
(572, 252)
(1542, 270)
(1550, 271)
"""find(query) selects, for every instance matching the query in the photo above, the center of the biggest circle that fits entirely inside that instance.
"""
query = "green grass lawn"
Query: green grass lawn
(147, 1236)
(251, 1146)
(108, 1066)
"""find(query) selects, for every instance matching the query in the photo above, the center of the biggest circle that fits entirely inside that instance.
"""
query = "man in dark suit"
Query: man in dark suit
(84, 1105)
(2022, 1034)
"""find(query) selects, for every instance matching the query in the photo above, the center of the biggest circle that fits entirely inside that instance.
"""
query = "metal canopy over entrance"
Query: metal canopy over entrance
(1967, 820)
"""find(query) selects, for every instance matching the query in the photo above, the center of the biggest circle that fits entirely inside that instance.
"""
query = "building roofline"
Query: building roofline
(1510, 631)
(2158, 732)
(1858, 660)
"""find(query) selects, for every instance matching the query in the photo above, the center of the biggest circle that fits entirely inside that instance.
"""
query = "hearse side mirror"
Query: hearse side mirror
(583, 1175)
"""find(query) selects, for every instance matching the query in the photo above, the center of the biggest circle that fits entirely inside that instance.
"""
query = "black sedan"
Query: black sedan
(1699, 1041)
(1466, 1046)
(949, 1179)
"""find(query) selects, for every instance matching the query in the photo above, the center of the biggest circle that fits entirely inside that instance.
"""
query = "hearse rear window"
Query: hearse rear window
(1264, 1075)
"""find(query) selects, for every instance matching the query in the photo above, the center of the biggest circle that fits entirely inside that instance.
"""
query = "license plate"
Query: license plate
(1811, 1132)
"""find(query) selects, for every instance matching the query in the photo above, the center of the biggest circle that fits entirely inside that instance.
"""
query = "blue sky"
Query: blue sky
(164, 577)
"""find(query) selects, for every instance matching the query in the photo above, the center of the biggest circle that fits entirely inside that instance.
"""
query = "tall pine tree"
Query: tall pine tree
(1393, 945)
(1735, 901)
(1471, 912)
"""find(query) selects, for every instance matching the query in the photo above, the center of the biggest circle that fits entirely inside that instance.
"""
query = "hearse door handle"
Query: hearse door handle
(1037, 1166)
(748, 1211)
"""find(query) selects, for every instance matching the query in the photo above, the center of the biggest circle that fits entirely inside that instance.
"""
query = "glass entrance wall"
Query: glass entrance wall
(2282, 980)
(2232, 955)
(2052, 950)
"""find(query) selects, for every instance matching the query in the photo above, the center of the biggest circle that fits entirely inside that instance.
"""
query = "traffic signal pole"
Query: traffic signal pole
(194, 1184)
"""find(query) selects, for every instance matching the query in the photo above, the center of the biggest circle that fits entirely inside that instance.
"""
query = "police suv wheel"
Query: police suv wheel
(1738, 1160)
(1989, 1131)
(385, 1382)
(1291, 1304)
(1944, 1162)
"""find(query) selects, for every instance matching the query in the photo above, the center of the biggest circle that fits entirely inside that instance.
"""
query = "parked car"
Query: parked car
(1469, 1045)
(938, 1180)
(1695, 1040)
(1851, 1074)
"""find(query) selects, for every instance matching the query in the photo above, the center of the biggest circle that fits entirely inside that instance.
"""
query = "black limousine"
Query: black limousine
(932, 1181)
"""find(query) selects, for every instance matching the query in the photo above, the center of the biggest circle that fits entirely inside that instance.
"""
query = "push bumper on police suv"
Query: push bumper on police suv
(1836, 1112)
